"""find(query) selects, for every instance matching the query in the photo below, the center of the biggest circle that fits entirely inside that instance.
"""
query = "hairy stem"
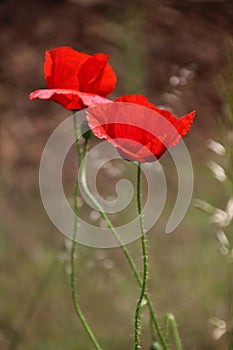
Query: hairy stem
(124, 249)
(145, 264)
(170, 320)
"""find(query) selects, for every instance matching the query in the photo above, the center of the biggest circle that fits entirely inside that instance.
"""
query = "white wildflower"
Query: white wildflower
(219, 218)
(223, 218)
(229, 209)
(218, 171)
(219, 326)
(222, 238)
(216, 147)
(205, 206)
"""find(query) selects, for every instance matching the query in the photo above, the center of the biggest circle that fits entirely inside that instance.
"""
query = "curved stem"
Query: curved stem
(124, 249)
(170, 319)
(145, 264)
(73, 249)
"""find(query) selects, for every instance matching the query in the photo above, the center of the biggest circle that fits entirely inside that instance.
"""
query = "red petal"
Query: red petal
(108, 81)
(181, 125)
(139, 133)
(137, 99)
(61, 67)
(91, 72)
(123, 124)
(70, 99)
(184, 123)
(97, 76)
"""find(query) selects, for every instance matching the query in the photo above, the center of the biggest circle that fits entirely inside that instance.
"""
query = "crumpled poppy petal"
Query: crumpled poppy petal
(138, 129)
(96, 75)
(181, 125)
(61, 67)
(75, 79)
(122, 125)
(70, 99)
(108, 81)
(126, 138)
(184, 123)
(137, 99)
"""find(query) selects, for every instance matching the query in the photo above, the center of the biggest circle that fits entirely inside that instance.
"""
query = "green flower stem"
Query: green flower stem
(77, 141)
(145, 263)
(73, 249)
(153, 338)
(170, 320)
(124, 249)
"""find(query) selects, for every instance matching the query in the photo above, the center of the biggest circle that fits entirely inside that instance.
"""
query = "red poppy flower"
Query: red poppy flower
(75, 79)
(138, 129)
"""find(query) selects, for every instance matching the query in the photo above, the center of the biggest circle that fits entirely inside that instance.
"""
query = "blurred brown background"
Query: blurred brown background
(174, 53)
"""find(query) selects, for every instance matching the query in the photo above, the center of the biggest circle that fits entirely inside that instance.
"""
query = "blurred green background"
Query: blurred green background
(174, 53)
